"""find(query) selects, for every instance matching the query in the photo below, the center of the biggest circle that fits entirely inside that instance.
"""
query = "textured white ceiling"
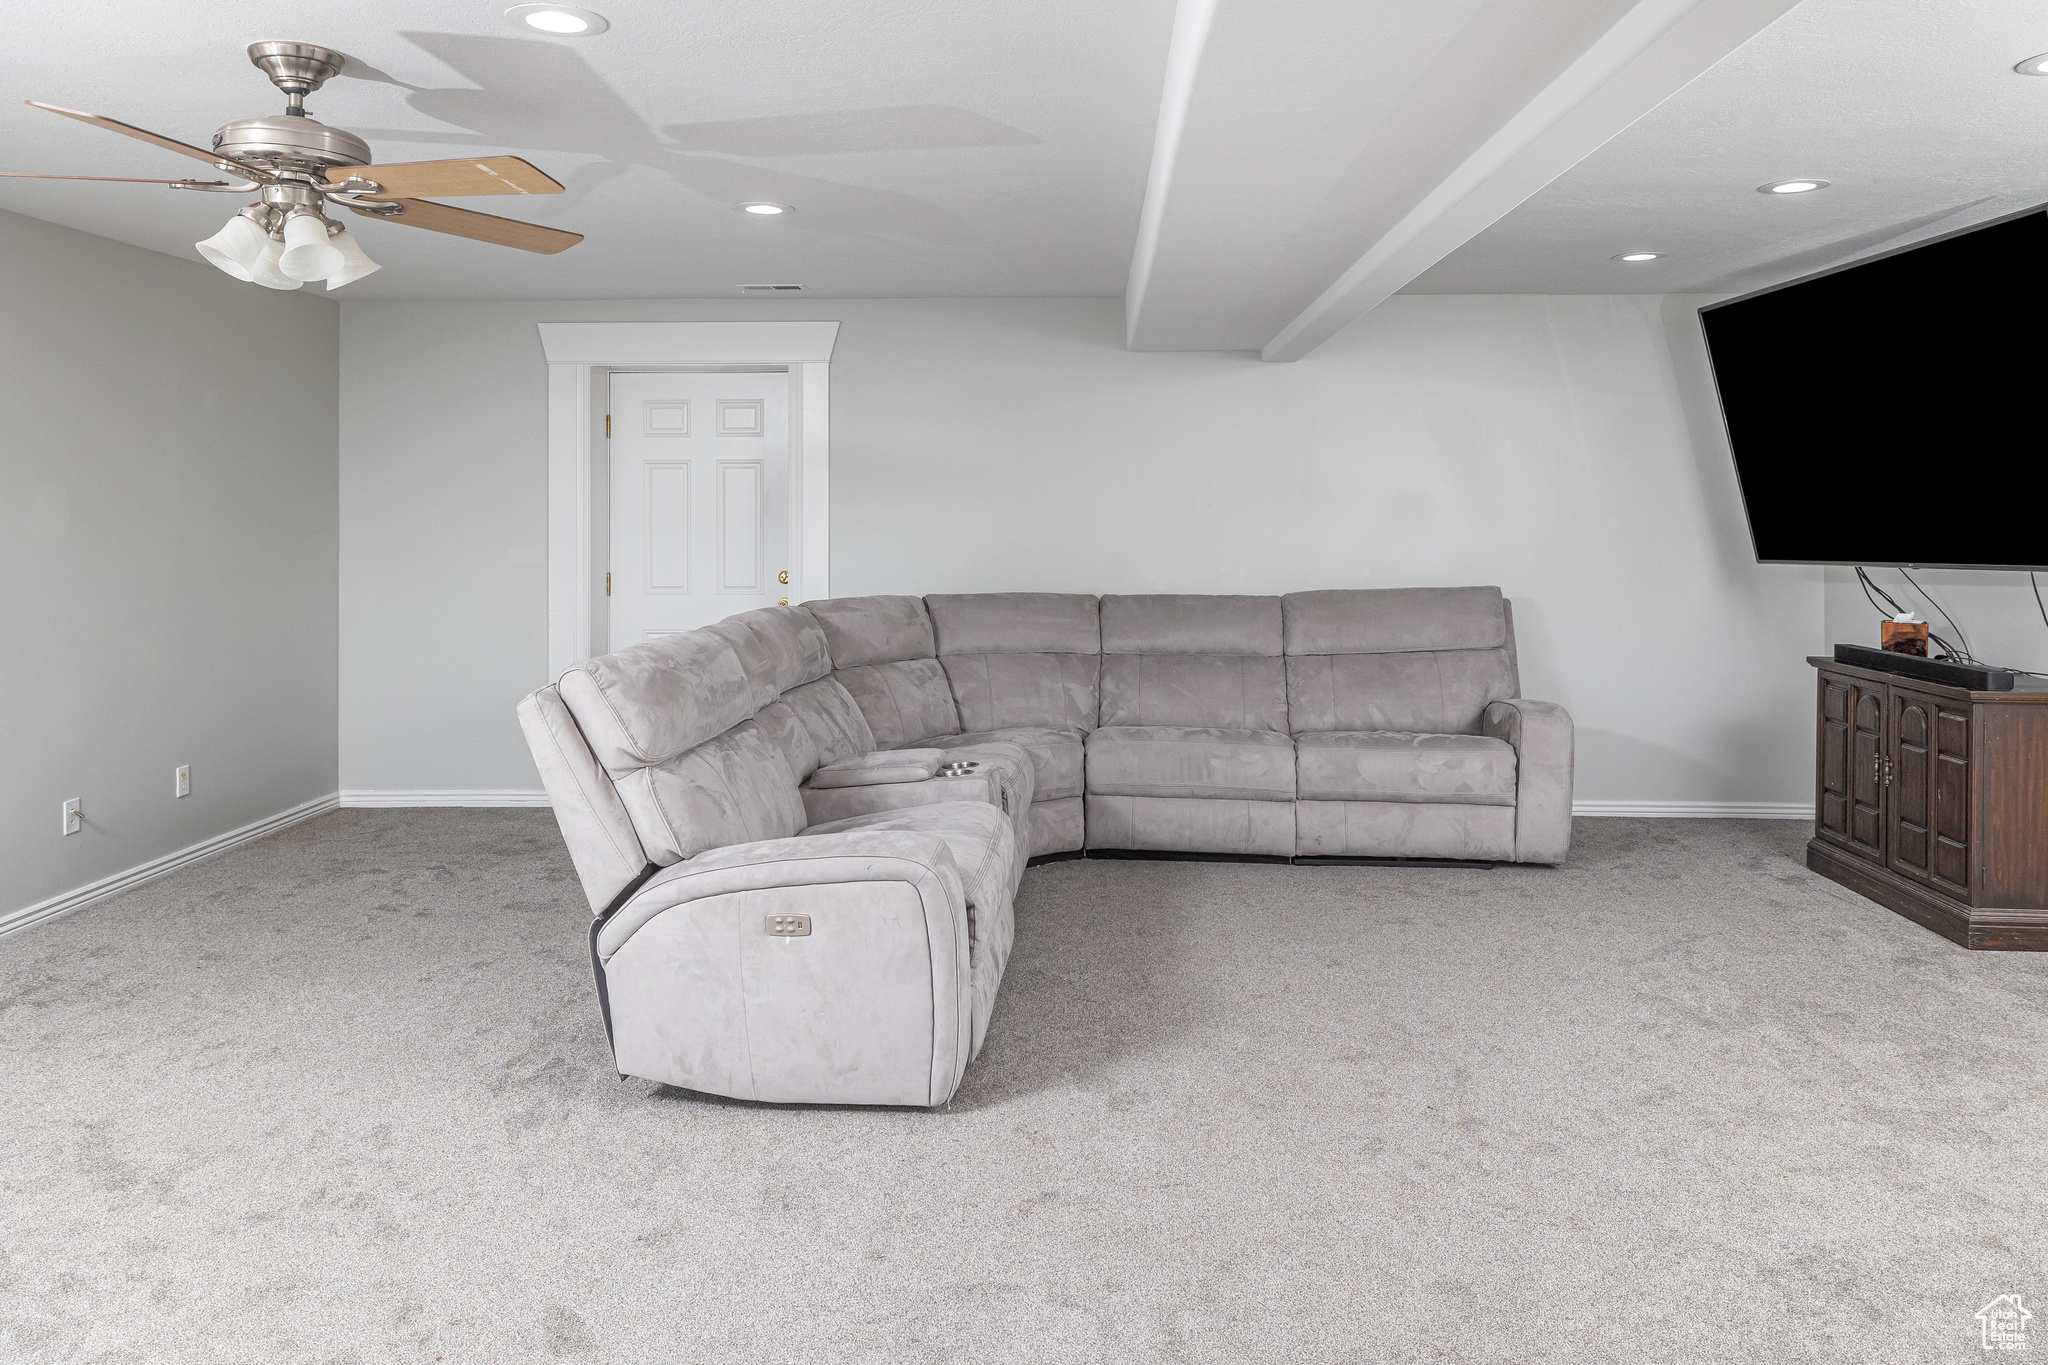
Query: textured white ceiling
(964, 147)
(1911, 109)
(1298, 154)
(976, 148)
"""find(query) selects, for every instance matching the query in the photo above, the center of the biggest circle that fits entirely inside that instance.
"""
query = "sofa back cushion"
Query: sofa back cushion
(734, 789)
(649, 702)
(1423, 660)
(883, 655)
(816, 724)
(778, 648)
(1020, 658)
(873, 630)
(1208, 661)
(671, 722)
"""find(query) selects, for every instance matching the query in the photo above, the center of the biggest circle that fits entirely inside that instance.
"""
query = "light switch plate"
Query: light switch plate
(184, 780)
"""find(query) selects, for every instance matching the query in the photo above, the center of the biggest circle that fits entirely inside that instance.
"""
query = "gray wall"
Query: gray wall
(1564, 448)
(1996, 610)
(169, 560)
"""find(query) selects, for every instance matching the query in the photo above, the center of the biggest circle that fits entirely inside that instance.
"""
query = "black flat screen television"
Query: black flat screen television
(1887, 412)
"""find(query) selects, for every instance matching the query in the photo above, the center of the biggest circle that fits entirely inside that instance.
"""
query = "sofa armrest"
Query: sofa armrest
(879, 768)
(920, 860)
(1541, 733)
(826, 968)
(1001, 779)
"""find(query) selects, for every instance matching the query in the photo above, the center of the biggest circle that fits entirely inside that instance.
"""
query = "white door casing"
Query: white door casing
(581, 357)
(700, 524)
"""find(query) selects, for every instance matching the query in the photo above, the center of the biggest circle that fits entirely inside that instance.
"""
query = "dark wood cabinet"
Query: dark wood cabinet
(1933, 801)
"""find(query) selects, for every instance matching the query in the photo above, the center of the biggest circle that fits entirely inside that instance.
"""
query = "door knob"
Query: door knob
(782, 577)
(782, 601)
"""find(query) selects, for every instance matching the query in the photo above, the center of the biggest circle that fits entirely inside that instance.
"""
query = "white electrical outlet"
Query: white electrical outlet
(74, 815)
(184, 780)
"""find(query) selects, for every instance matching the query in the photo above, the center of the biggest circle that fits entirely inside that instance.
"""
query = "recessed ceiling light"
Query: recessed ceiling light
(1638, 257)
(2034, 66)
(1792, 186)
(766, 208)
(559, 21)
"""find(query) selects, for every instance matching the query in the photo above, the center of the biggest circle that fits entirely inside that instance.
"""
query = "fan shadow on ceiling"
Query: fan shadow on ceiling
(499, 111)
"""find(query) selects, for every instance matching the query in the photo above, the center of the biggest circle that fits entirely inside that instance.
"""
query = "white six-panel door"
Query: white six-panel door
(700, 480)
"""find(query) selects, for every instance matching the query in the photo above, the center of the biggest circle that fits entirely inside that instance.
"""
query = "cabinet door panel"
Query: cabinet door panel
(1831, 804)
(1949, 864)
(1912, 783)
(1866, 756)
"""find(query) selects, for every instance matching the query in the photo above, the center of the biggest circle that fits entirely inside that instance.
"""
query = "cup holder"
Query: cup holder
(964, 768)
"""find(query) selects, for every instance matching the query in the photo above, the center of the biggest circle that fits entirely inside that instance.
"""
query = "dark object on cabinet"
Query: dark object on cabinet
(1949, 673)
(1933, 801)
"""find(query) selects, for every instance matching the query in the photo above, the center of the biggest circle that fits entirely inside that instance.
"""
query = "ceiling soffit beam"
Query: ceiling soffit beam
(1191, 23)
(1657, 48)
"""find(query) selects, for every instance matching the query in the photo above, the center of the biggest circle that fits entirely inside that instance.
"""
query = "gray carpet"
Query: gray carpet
(342, 1096)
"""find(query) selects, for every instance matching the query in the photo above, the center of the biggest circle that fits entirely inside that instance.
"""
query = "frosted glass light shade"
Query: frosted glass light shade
(354, 264)
(308, 254)
(235, 248)
(265, 271)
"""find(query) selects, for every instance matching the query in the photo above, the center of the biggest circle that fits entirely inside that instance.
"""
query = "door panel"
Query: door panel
(1912, 784)
(667, 559)
(1949, 865)
(740, 532)
(1831, 805)
(700, 480)
(1866, 764)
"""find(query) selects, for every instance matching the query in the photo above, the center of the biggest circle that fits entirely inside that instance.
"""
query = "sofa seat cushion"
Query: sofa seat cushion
(1186, 760)
(1397, 765)
(1403, 829)
(1055, 755)
(984, 847)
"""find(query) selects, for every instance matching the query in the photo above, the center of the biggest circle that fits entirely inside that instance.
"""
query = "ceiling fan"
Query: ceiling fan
(300, 167)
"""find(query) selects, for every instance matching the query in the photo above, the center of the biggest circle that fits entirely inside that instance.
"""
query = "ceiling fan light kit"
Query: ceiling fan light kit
(235, 247)
(300, 168)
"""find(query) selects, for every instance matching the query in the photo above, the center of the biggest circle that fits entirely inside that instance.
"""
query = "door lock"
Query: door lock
(782, 577)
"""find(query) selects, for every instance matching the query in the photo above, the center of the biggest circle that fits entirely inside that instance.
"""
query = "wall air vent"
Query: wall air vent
(771, 289)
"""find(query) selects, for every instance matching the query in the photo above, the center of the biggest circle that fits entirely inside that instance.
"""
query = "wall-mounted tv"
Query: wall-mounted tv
(1889, 411)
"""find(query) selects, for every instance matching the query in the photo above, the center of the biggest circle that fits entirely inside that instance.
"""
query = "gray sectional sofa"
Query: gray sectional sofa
(801, 829)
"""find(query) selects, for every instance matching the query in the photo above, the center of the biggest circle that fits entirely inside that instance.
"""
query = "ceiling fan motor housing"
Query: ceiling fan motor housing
(284, 142)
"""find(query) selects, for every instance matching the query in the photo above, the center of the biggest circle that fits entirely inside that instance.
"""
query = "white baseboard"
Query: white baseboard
(1698, 810)
(1660, 810)
(482, 796)
(157, 867)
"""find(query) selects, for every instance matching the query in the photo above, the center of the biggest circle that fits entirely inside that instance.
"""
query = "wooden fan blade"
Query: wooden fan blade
(478, 175)
(169, 144)
(121, 180)
(480, 227)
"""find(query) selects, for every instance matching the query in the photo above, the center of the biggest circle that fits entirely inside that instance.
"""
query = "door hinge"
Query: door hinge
(607, 585)
(607, 426)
